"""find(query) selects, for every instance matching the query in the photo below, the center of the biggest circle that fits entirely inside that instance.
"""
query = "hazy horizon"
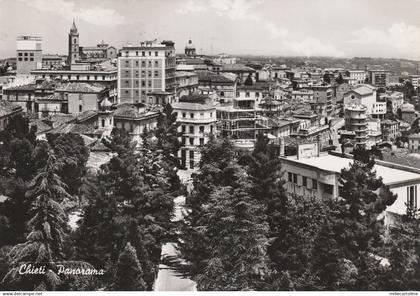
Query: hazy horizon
(285, 28)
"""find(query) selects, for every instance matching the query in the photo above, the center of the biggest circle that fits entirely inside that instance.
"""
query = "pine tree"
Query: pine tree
(234, 226)
(168, 135)
(354, 228)
(43, 246)
(129, 274)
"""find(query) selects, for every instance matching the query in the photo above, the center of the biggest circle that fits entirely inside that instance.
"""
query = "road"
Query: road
(167, 280)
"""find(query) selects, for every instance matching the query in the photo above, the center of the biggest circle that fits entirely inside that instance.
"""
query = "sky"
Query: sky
(335, 28)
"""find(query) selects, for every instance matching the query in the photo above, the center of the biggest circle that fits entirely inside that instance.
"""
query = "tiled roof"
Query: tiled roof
(192, 106)
(29, 87)
(52, 97)
(79, 88)
(7, 108)
(255, 86)
(132, 111)
(86, 115)
(75, 128)
(236, 68)
(207, 76)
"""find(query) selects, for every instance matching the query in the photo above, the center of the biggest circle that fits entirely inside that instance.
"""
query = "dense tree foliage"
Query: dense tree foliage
(131, 201)
(129, 274)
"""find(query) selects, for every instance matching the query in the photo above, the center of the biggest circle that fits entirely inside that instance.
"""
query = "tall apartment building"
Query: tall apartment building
(146, 73)
(356, 122)
(197, 116)
(356, 77)
(29, 54)
(379, 78)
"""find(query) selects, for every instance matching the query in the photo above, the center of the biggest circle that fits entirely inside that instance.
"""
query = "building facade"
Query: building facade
(29, 54)
(197, 116)
(355, 119)
(146, 69)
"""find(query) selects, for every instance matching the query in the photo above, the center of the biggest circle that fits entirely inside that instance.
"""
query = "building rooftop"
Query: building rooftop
(211, 77)
(363, 90)
(79, 88)
(7, 108)
(133, 111)
(236, 68)
(335, 164)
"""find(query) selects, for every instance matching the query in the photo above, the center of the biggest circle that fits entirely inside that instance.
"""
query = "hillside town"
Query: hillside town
(178, 170)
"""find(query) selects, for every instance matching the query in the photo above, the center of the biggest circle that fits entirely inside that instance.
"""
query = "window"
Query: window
(150, 53)
(201, 141)
(191, 141)
(201, 128)
(31, 54)
(191, 164)
(19, 59)
(314, 184)
(304, 181)
(290, 177)
(183, 141)
(184, 115)
(211, 129)
(31, 59)
(143, 83)
(237, 94)
(191, 154)
(88, 77)
(25, 59)
(143, 63)
(103, 77)
(328, 189)
(295, 178)
(156, 63)
(149, 73)
(211, 114)
(149, 83)
(247, 94)
(143, 54)
(156, 73)
(96, 77)
(137, 53)
(191, 115)
(183, 128)
(25, 54)
(137, 63)
(80, 108)
(20, 54)
(412, 196)
(257, 94)
(191, 129)
(103, 122)
(150, 63)
(222, 93)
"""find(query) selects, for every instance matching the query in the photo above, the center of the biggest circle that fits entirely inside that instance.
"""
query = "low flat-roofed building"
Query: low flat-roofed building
(317, 175)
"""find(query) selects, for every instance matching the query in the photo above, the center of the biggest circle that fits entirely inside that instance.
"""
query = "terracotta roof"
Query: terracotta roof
(132, 111)
(207, 76)
(7, 108)
(80, 88)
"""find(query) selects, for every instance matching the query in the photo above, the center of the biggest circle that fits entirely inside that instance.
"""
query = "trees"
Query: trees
(43, 246)
(72, 152)
(167, 134)
(131, 201)
(353, 230)
(235, 228)
(339, 79)
(326, 77)
(129, 274)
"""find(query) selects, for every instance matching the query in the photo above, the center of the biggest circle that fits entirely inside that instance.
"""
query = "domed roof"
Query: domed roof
(190, 45)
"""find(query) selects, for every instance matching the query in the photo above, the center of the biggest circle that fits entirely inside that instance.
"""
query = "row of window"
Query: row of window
(192, 129)
(95, 77)
(25, 54)
(26, 59)
(143, 83)
(143, 63)
(184, 115)
(143, 53)
(247, 94)
(143, 74)
(191, 141)
(293, 178)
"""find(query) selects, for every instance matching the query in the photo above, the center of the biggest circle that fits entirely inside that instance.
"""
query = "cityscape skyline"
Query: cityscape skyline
(375, 29)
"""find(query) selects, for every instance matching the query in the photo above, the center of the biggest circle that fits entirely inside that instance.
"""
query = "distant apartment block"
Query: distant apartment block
(29, 54)
(379, 78)
(146, 73)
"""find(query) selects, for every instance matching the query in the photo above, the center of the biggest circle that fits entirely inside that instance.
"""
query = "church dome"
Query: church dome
(190, 45)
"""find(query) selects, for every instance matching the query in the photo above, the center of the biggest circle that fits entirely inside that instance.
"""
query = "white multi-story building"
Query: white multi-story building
(365, 95)
(317, 175)
(197, 116)
(415, 80)
(356, 77)
(146, 73)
